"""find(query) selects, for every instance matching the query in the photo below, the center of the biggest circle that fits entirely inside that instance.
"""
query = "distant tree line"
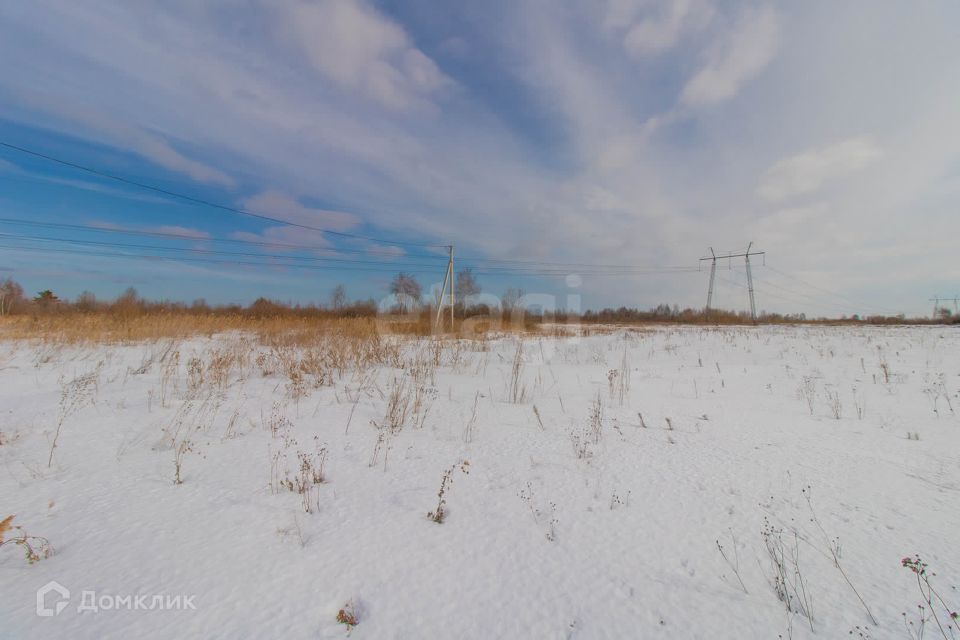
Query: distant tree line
(664, 313)
(13, 301)
(407, 298)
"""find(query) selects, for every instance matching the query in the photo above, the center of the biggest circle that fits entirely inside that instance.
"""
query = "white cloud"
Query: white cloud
(743, 52)
(286, 239)
(620, 14)
(278, 205)
(357, 47)
(807, 172)
(127, 136)
(663, 31)
(385, 250)
(180, 231)
(160, 152)
(189, 232)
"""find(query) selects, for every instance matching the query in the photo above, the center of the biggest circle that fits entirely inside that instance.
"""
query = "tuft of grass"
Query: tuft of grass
(516, 390)
(596, 419)
(468, 430)
(536, 412)
(74, 395)
(35, 548)
(440, 512)
(179, 451)
(833, 401)
(807, 391)
(348, 616)
(787, 579)
(733, 560)
(306, 479)
(933, 606)
(581, 445)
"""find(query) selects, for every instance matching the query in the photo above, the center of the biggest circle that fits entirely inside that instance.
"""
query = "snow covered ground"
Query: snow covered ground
(590, 482)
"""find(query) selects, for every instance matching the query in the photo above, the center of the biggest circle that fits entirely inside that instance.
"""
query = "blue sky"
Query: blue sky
(629, 132)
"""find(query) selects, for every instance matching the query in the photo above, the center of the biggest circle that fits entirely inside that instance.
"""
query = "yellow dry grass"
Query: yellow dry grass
(111, 328)
(5, 525)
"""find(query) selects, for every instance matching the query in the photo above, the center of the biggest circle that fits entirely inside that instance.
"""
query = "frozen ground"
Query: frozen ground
(603, 522)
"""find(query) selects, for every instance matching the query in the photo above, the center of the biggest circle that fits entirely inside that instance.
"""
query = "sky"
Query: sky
(636, 133)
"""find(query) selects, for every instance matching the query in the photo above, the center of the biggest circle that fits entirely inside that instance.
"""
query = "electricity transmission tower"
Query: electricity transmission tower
(936, 304)
(713, 273)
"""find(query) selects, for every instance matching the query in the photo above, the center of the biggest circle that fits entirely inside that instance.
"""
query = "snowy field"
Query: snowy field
(640, 483)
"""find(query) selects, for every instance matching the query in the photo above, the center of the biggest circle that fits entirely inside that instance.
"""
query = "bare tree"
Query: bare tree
(511, 298)
(128, 303)
(338, 298)
(467, 284)
(407, 290)
(11, 295)
(86, 302)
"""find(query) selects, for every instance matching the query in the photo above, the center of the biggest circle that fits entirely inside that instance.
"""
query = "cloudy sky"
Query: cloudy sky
(575, 133)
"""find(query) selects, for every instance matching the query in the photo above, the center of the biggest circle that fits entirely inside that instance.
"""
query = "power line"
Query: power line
(398, 263)
(545, 267)
(196, 238)
(473, 261)
(810, 301)
(792, 298)
(140, 256)
(343, 265)
(536, 267)
(274, 261)
(830, 308)
(260, 216)
(792, 295)
(571, 264)
(207, 203)
(846, 303)
(839, 296)
(126, 245)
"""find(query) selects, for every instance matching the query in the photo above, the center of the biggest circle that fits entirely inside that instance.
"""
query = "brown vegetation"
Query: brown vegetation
(130, 318)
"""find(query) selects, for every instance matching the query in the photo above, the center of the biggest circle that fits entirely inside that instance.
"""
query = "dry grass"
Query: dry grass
(81, 328)
(5, 525)
(440, 512)
(516, 390)
(348, 616)
(35, 548)
(110, 327)
(74, 395)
